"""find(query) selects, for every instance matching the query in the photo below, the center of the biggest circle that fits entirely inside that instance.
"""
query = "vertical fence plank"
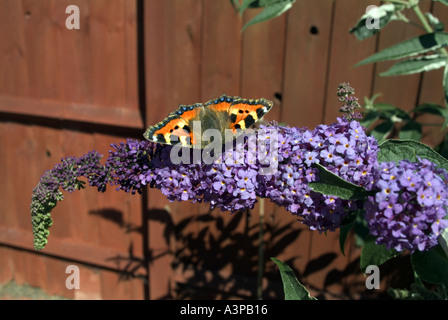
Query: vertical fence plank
(172, 59)
(220, 73)
(73, 49)
(262, 76)
(42, 64)
(89, 284)
(107, 29)
(13, 51)
(116, 286)
(346, 50)
(263, 59)
(7, 269)
(47, 63)
(220, 50)
(306, 58)
(172, 42)
(56, 277)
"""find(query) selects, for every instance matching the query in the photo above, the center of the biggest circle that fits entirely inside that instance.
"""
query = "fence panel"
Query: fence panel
(65, 92)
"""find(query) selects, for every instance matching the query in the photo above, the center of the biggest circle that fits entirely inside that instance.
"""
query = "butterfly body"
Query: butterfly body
(224, 114)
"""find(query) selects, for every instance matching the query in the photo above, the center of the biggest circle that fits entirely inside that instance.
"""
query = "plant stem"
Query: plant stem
(422, 18)
(424, 22)
(403, 2)
(260, 250)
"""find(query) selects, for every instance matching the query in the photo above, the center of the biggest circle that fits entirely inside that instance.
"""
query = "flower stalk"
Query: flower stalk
(260, 250)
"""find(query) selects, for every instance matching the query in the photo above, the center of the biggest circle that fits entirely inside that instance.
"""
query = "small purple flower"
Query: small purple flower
(290, 175)
(246, 179)
(64, 176)
(233, 182)
(311, 157)
(345, 93)
(408, 209)
(346, 146)
(328, 154)
(320, 146)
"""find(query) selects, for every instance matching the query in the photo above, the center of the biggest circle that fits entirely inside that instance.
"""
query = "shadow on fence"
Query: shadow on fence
(216, 257)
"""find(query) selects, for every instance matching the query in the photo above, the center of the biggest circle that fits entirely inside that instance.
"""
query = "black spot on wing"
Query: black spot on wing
(233, 118)
(260, 112)
(161, 138)
(248, 121)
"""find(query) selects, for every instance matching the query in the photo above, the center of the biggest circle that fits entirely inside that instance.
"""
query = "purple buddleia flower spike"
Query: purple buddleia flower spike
(409, 207)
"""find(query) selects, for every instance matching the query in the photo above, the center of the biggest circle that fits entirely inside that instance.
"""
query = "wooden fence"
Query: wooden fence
(64, 92)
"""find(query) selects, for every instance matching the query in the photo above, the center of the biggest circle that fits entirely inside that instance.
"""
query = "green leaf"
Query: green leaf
(431, 108)
(374, 20)
(368, 103)
(442, 147)
(369, 118)
(399, 294)
(331, 184)
(271, 10)
(409, 48)
(391, 112)
(346, 226)
(443, 241)
(416, 65)
(445, 2)
(292, 288)
(396, 150)
(445, 87)
(445, 90)
(361, 230)
(411, 130)
(374, 254)
(420, 291)
(436, 24)
(434, 109)
(246, 4)
(382, 131)
(235, 4)
(431, 266)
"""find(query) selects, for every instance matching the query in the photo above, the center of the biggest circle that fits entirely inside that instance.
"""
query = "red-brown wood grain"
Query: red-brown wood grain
(65, 92)
(306, 62)
(172, 60)
(220, 50)
(345, 51)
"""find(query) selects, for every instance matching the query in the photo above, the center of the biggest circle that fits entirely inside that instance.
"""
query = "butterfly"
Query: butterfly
(222, 114)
